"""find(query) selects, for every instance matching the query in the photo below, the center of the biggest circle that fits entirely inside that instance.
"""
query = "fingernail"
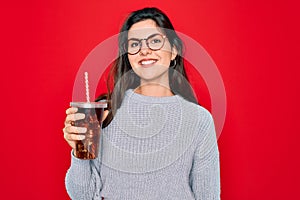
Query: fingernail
(81, 129)
(81, 137)
(81, 116)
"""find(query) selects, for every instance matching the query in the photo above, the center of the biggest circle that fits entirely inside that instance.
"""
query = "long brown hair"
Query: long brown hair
(121, 66)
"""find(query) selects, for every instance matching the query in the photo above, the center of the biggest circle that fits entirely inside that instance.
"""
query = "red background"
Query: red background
(255, 45)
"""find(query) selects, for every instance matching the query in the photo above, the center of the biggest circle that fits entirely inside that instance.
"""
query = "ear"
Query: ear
(174, 52)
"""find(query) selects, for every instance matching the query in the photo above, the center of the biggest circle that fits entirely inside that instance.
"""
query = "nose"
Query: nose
(144, 48)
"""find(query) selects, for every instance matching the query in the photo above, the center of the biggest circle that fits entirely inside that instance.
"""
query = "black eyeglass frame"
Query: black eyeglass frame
(147, 43)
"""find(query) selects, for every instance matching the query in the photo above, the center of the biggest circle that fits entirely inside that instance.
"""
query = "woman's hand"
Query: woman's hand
(70, 131)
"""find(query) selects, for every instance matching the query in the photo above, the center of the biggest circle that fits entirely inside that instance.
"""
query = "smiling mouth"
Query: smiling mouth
(147, 62)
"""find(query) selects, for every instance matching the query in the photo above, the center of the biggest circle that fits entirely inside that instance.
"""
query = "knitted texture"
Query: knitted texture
(156, 148)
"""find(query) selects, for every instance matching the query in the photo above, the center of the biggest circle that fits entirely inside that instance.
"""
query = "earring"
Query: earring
(174, 63)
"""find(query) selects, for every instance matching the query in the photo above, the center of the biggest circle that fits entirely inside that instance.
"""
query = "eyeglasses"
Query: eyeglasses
(154, 42)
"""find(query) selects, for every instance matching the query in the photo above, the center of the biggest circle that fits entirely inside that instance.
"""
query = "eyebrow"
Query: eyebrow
(138, 39)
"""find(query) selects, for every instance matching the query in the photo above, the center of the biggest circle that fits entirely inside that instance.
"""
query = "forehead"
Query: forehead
(143, 29)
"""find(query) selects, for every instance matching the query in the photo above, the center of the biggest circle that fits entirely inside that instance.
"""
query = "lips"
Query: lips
(147, 62)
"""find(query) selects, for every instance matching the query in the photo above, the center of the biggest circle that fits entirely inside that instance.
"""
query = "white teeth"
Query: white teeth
(147, 62)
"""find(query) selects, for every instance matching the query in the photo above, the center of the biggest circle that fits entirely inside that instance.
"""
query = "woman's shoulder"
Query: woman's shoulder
(199, 122)
(196, 114)
(196, 108)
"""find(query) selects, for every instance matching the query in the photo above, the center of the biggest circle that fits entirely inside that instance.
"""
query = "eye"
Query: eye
(134, 44)
(155, 40)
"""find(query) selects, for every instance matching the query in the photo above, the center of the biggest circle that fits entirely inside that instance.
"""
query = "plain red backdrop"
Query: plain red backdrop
(255, 45)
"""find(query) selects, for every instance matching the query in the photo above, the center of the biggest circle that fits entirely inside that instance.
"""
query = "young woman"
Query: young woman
(157, 142)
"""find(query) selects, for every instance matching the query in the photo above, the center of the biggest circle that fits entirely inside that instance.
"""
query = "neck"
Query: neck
(154, 89)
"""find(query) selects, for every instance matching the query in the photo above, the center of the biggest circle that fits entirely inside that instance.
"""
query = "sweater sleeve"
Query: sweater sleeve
(83, 179)
(205, 172)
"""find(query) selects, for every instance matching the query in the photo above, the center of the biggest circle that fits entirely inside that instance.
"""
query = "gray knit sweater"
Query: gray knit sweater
(156, 148)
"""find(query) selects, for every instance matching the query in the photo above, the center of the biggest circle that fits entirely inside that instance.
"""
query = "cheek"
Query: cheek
(166, 57)
(132, 60)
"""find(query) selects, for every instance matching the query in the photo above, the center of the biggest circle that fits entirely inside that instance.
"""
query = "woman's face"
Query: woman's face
(150, 65)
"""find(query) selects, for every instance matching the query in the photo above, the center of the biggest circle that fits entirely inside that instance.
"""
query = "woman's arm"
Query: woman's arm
(205, 172)
(83, 179)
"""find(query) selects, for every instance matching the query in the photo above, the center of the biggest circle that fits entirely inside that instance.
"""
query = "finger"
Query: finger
(72, 144)
(74, 117)
(105, 113)
(73, 137)
(74, 129)
(71, 110)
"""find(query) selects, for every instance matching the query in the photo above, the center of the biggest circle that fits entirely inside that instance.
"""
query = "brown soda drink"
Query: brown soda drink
(88, 148)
